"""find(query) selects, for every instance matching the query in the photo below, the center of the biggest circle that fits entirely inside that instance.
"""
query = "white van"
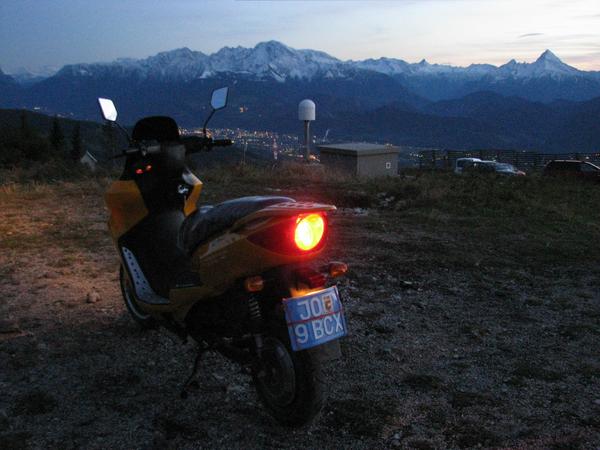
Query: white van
(461, 163)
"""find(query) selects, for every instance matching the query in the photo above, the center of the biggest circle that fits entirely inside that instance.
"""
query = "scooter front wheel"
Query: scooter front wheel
(145, 320)
(289, 384)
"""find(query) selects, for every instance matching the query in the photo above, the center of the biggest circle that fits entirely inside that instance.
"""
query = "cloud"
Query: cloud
(586, 61)
(588, 16)
(530, 35)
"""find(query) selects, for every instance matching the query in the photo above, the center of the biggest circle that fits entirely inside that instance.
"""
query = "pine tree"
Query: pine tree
(57, 137)
(76, 145)
(31, 146)
(25, 130)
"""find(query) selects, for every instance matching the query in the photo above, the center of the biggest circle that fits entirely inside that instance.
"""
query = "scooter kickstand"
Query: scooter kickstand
(190, 382)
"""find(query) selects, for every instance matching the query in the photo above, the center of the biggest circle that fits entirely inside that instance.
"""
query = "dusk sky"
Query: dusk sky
(36, 33)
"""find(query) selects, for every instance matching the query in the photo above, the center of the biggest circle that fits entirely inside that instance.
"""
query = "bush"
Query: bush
(52, 171)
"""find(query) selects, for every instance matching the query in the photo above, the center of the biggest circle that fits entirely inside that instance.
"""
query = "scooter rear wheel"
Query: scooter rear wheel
(143, 319)
(289, 384)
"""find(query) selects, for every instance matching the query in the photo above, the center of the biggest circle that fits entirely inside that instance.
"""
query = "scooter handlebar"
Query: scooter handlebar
(222, 143)
(195, 144)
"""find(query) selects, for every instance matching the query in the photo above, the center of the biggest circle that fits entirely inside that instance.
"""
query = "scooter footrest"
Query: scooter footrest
(143, 290)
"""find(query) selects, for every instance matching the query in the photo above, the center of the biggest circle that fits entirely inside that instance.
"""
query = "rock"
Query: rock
(92, 297)
(42, 346)
(3, 420)
(421, 444)
(383, 328)
(218, 377)
(597, 402)
(235, 389)
(9, 326)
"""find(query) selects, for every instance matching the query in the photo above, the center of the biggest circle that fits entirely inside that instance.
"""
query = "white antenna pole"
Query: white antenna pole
(307, 140)
(307, 114)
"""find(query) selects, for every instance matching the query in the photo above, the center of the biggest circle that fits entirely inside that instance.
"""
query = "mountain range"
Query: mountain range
(541, 105)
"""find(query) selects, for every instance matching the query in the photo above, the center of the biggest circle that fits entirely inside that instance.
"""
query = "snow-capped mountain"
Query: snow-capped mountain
(547, 65)
(270, 79)
(4, 78)
(273, 60)
(510, 106)
(546, 79)
(266, 60)
(27, 76)
(279, 62)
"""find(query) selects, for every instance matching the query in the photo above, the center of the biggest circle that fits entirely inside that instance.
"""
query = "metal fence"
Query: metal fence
(527, 161)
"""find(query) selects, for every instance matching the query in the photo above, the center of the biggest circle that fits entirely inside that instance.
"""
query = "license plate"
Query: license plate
(315, 319)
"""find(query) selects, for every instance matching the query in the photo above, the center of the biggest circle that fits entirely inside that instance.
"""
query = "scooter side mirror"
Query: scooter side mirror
(109, 111)
(219, 98)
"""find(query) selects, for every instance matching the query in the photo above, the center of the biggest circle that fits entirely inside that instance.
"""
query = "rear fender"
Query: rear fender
(285, 209)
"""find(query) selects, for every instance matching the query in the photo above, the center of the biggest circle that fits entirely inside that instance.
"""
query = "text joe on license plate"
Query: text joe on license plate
(315, 319)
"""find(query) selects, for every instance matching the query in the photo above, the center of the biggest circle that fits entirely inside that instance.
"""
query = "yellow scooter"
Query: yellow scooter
(234, 277)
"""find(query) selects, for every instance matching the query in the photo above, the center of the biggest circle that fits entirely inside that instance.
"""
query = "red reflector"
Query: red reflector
(139, 171)
(310, 278)
(309, 231)
(254, 284)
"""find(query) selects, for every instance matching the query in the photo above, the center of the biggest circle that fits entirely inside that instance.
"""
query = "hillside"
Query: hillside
(472, 306)
(38, 130)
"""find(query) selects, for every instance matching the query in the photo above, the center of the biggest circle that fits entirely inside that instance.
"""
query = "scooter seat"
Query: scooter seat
(209, 221)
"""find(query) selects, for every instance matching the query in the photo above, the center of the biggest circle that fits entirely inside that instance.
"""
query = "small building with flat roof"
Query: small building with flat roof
(361, 158)
(89, 160)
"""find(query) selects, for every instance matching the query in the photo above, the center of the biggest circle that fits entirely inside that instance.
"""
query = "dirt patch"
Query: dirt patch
(472, 324)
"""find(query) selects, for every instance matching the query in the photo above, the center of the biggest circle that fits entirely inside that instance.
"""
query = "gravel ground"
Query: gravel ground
(448, 348)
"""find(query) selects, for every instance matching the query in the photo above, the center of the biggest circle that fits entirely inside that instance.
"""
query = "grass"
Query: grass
(482, 221)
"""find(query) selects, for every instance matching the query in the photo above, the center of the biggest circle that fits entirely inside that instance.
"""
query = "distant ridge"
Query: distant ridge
(275, 60)
(515, 105)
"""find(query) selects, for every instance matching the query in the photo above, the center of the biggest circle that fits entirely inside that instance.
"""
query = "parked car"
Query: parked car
(492, 167)
(572, 169)
(461, 163)
(507, 169)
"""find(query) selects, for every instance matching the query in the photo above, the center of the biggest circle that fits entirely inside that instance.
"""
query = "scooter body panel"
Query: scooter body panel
(227, 258)
(191, 202)
(126, 205)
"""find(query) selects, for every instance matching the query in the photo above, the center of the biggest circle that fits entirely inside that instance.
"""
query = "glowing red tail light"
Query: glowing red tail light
(309, 231)
(297, 235)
